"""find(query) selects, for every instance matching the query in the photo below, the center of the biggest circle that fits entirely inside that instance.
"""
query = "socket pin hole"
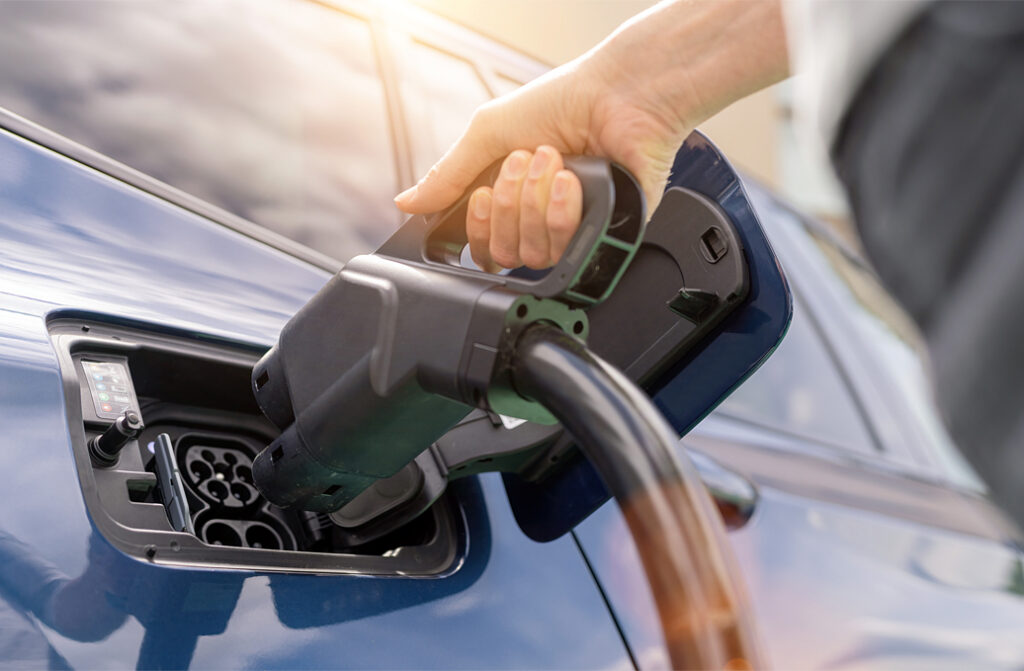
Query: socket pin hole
(209, 456)
(241, 492)
(201, 470)
(218, 533)
(231, 458)
(218, 489)
(521, 311)
(244, 473)
(577, 328)
(259, 536)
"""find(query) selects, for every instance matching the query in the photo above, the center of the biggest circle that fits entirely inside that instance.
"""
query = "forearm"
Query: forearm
(692, 58)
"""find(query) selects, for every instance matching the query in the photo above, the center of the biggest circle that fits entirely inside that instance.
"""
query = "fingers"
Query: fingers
(508, 187)
(564, 212)
(478, 229)
(534, 243)
(530, 214)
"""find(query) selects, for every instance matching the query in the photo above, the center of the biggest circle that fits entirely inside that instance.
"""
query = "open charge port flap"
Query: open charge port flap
(198, 395)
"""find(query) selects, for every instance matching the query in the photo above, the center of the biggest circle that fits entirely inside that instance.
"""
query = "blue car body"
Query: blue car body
(877, 552)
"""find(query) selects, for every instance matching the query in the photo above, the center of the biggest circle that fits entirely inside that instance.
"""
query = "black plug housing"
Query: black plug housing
(401, 344)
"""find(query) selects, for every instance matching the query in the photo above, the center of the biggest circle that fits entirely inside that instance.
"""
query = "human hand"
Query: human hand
(530, 214)
(534, 208)
(633, 99)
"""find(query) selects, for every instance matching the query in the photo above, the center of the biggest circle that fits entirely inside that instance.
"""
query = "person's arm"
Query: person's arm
(633, 99)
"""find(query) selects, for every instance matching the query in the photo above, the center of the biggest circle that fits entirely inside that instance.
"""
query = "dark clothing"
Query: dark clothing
(932, 155)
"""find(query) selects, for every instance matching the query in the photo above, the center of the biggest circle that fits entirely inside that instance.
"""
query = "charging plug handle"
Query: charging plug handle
(673, 521)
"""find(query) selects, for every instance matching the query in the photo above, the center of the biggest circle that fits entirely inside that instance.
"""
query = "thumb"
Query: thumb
(452, 175)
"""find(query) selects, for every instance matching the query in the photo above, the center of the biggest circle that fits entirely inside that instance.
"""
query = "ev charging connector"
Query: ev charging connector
(401, 344)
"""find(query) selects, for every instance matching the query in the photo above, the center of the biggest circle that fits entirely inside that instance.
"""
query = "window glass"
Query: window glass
(440, 93)
(274, 111)
(799, 391)
(887, 329)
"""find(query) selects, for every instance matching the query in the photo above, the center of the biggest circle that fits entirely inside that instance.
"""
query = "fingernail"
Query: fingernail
(481, 204)
(407, 195)
(516, 165)
(540, 162)
(560, 187)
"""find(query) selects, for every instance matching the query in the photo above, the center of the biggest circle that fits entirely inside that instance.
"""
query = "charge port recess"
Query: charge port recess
(199, 392)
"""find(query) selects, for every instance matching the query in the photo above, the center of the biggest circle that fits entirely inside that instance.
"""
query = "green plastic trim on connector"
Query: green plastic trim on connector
(502, 398)
(600, 273)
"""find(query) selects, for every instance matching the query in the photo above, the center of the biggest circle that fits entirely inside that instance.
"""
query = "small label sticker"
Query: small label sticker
(511, 422)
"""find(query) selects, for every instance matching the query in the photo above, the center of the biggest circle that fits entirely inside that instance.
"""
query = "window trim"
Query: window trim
(874, 449)
(902, 444)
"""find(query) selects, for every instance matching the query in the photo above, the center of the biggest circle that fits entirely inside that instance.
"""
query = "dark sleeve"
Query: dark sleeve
(931, 153)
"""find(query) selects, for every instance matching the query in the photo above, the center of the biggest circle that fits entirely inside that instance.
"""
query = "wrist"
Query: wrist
(686, 60)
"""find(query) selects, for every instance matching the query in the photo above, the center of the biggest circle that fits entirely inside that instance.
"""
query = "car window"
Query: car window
(273, 111)
(889, 332)
(440, 92)
(800, 391)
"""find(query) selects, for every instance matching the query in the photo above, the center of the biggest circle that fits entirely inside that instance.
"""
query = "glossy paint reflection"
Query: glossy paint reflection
(73, 238)
(835, 587)
(251, 106)
(171, 618)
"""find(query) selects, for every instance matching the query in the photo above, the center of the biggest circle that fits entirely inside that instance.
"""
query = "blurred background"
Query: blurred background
(757, 133)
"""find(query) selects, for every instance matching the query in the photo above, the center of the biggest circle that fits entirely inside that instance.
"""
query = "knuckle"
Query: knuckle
(562, 225)
(482, 115)
(433, 174)
(531, 200)
(503, 201)
(439, 177)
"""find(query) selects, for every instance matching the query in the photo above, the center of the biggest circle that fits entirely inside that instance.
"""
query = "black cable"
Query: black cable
(676, 527)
